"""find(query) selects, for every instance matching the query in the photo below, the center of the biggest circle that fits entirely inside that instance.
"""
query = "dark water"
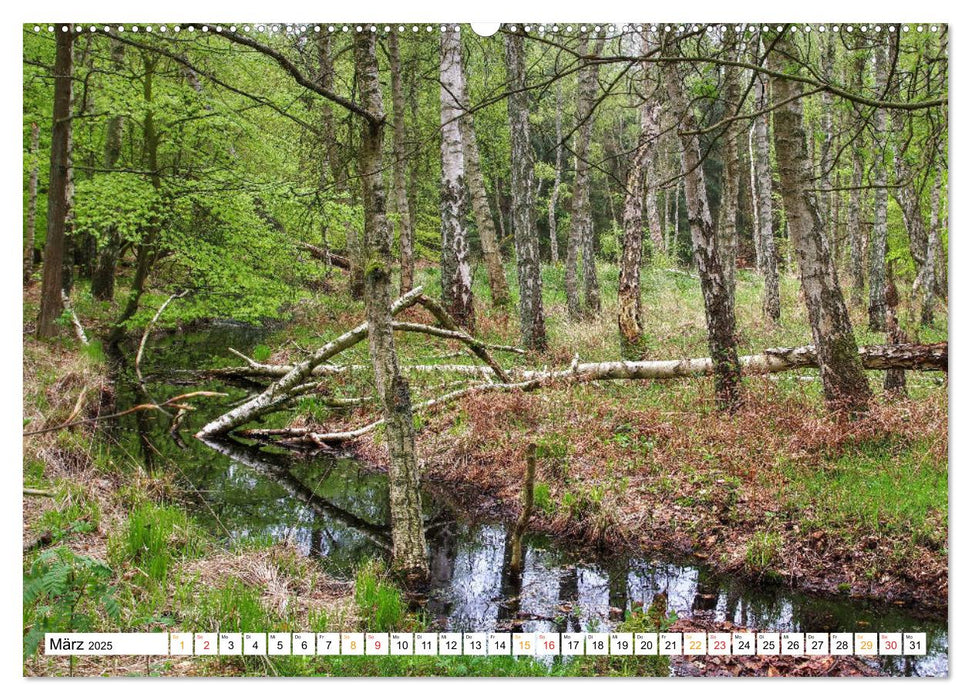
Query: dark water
(335, 509)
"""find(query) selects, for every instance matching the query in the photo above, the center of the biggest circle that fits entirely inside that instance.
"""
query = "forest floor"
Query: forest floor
(782, 490)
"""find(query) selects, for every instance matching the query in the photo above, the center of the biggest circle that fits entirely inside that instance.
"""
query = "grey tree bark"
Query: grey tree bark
(926, 281)
(532, 320)
(51, 304)
(580, 243)
(878, 241)
(728, 211)
(854, 226)
(844, 383)
(557, 177)
(409, 549)
(456, 270)
(771, 310)
(402, 208)
(498, 287)
(630, 312)
(719, 309)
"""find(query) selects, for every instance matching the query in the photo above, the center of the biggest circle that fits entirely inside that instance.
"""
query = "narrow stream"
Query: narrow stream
(335, 509)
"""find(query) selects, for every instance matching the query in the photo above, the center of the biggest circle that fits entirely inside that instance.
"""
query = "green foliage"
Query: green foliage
(121, 202)
(66, 592)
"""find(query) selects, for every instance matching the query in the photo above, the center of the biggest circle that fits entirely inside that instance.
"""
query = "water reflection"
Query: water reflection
(335, 510)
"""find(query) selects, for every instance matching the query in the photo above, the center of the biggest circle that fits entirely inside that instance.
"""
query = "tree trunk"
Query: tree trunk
(728, 211)
(853, 224)
(406, 234)
(51, 304)
(557, 176)
(926, 281)
(456, 271)
(532, 320)
(766, 239)
(103, 276)
(629, 315)
(878, 242)
(498, 287)
(719, 310)
(895, 381)
(844, 383)
(29, 244)
(826, 150)
(409, 550)
(580, 245)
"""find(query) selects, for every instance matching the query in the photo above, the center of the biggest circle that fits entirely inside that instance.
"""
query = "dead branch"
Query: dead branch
(174, 402)
(476, 346)
(285, 386)
(452, 335)
(78, 328)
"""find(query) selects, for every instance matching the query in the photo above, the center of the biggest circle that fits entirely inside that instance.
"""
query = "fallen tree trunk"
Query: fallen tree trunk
(327, 256)
(876, 357)
(282, 389)
(909, 356)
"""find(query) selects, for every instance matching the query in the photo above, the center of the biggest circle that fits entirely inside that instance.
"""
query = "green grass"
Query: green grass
(153, 540)
(885, 487)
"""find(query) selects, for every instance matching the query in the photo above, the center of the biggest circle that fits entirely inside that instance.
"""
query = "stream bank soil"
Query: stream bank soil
(726, 490)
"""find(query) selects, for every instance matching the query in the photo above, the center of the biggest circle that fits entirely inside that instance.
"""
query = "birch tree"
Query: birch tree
(878, 241)
(728, 211)
(409, 549)
(765, 239)
(630, 312)
(456, 270)
(532, 320)
(581, 239)
(844, 383)
(498, 287)
(402, 207)
(719, 310)
(557, 176)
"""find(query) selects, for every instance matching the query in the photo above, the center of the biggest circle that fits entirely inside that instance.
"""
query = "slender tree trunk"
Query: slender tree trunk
(719, 310)
(456, 271)
(728, 211)
(826, 150)
(895, 380)
(926, 281)
(754, 192)
(853, 224)
(878, 242)
(844, 383)
(406, 235)
(409, 549)
(531, 317)
(580, 243)
(557, 176)
(771, 310)
(103, 276)
(29, 244)
(51, 304)
(498, 287)
(630, 312)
